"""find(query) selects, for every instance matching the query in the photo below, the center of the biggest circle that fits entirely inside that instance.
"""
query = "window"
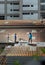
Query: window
(31, 13)
(10, 3)
(2, 17)
(10, 16)
(16, 16)
(15, 9)
(42, 7)
(43, 15)
(10, 9)
(17, 3)
(42, 1)
(26, 5)
(31, 5)
(26, 13)
(13, 16)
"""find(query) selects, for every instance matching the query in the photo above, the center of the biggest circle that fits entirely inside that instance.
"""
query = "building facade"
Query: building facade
(22, 9)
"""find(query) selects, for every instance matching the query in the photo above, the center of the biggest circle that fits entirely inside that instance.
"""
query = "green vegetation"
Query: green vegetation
(43, 50)
(1, 50)
(16, 62)
(36, 57)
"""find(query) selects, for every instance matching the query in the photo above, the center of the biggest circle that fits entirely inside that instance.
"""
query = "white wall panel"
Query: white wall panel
(30, 2)
(1, 8)
(32, 17)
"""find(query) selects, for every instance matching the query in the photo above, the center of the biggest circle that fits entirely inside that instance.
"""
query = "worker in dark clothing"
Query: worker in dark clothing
(15, 37)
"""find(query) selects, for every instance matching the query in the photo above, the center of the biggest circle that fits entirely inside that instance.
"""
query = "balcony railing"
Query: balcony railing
(22, 51)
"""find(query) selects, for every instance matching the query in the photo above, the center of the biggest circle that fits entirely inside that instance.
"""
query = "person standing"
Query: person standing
(30, 37)
(15, 37)
(8, 37)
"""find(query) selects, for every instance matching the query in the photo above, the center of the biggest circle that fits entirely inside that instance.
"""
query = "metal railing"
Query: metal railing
(22, 51)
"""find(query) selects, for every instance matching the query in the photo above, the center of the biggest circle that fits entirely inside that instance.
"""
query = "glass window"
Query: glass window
(42, 7)
(2, 17)
(42, 0)
(14, 16)
(10, 16)
(26, 13)
(43, 15)
(15, 9)
(17, 3)
(26, 5)
(10, 9)
(31, 5)
(31, 13)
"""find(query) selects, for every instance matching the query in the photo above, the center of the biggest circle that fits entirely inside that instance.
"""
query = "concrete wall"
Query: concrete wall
(30, 2)
(12, 0)
(30, 16)
(9, 7)
(33, 16)
(5, 9)
(24, 60)
(1, 8)
(1, 0)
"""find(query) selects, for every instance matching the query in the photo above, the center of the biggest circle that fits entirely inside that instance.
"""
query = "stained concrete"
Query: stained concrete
(25, 60)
